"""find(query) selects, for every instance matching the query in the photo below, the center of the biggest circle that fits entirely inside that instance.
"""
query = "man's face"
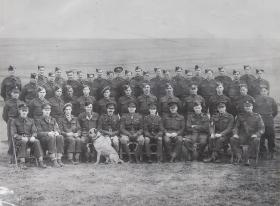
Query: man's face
(198, 72)
(131, 109)
(110, 110)
(58, 73)
(128, 91)
(138, 72)
(23, 113)
(189, 75)
(264, 92)
(70, 91)
(236, 75)
(209, 75)
(173, 109)
(248, 108)
(260, 75)
(128, 75)
(70, 75)
(158, 72)
(146, 89)
(58, 92)
(169, 90)
(46, 112)
(243, 91)
(11, 72)
(222, 110)
(247, 70)
(220, 89)
(41, 71)
(167, 75)
(153, 111)
(42, 94)
(193, 90)
(32, 80)
(107, 93)
(86, 91)
(81, 75)
(15, 95)
(197, 109)
(222, 72)
(88, 108)
(179, 72)
(68, 110)
(111, 75)
(100, 73)
(51, 78)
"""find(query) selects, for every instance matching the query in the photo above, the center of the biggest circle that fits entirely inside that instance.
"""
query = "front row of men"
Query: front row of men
(69, 134)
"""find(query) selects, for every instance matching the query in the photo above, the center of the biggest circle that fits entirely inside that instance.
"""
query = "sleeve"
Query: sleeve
(5, 113)
(61, 127)
(22, 94)
(78, 130)
(146, 131)
(33, 129)
(189, 125)
(236, 126)
(140, 131)
(13, 128)
(182, 127)
(205, 124)
(229, 127)
(212, 126)
(161, 129)
(261, 127)
(39, 128)
(122, 127)
(3, 89)
(274, 108)
(56, 127)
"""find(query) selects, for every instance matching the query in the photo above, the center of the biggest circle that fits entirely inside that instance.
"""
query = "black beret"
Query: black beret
(208, 70)
(105, 89)
(138, 68)
(90, 75)
(248, 104)
(51, 74)
(220, 68)
(178, 68)
(172, 103)
(235, 71)
(118, 69)
(40, 66)
(22, 106)
(33, 75)
(259, 70)
(46, 106)
(221, 104)
(56, 69)
(109, 72)
(15, 90)
(110, 104)
(11, 68)
(67, 105)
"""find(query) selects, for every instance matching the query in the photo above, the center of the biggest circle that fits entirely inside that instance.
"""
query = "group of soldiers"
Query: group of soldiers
(190, 111)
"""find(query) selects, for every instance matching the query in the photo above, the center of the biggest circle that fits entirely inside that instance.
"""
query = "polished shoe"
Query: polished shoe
(247, 163)
(55, 163)
(22, 166)
(42, 165)
(207, 160)
(60, 163)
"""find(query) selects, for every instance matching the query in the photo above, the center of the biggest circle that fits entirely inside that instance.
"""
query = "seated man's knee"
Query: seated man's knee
(115, 140)
(124, 139)
(141, 140)
(179, 139)
(147, 140)
(159, 139)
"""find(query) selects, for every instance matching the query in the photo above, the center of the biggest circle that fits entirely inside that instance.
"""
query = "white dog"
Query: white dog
(103, 146)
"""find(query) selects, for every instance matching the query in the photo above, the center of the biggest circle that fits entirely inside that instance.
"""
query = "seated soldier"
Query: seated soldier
(87, 121)
(131, 129)
(71, 131)
(24, 132)
(197, 132)
(48, 134)
(108, 125)
(174, 125)
(247, 132)
(153, 132)
(220, 129)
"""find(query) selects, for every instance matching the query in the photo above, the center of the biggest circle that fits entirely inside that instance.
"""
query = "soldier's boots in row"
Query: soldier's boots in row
(214, 158)
(57, 163)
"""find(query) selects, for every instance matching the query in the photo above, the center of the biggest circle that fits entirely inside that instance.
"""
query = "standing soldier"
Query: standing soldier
(49, 136)
(166, 77)
(259, 83)
(71, 131)
(90, 80)
(207, 87)
(224, 79)
(247, 132)
(57, 104)
(174, 125)
(248, 78)
(59, 80)
(197, 78)
(146, 76)
(218, 98)
(81, 79)
(117, 83)
(189, 101)
(69, 97)
(10, 112)
(86, 98)
(153, 132)
(157, 84)
(244, 97)
(9, 83)
(108, 125)
(87, 120)
(220, 132)
(124, 100)
(178, 82)
(128, 76)
(234, 87)
(267, 108)
(188, 82)
(137, 81)
(29, 91)
(24, 132)
(110, 77)
(101, 104)
(165, 100)
(145, 99)
(50, 85)
(35, 105)
(99, 83)
(131, 129)
(73, 83)
(42, 79)
(197, 132)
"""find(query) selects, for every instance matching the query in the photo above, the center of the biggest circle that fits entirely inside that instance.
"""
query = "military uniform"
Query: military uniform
(189, 102)
(157, 87)
(8, 84)
(51, 144)
(109, 126)
(123, 104)
(225, 80)
(73, 144)
(257, 85)
(50, 89)
(136, 85)
(248, 79)
(234, 89)
(42, 80)
(74, 102)
(268, 109)
(75, 85)
(197, 132)
(60, 81)
(57, 104)
(239, 103)
(173, 123)
(131, 129)
(247, 124)
(164, 101)
(29, 92)
(98, 84)
(116, 87)
(206, 89)
(101, 104)
(153, 132)
(216, 99)
(83, 99)
(179, 85)
(197, 80)
(35, 107)
(25, 127)
(143, 102)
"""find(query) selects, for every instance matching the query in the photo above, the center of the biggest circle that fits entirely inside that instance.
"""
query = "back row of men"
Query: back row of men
(183, 91)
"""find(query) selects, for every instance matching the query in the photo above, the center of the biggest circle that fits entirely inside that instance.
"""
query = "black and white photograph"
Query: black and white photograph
(139, 103)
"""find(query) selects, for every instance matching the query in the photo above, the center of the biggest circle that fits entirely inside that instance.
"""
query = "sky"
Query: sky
(138, 19)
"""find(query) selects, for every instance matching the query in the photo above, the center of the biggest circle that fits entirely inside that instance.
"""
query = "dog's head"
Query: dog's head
(94, 133)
